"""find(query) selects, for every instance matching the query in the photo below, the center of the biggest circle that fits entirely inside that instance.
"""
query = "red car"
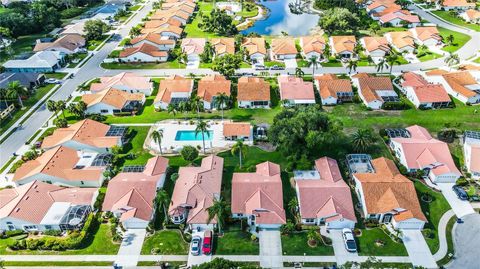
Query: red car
(207, 242)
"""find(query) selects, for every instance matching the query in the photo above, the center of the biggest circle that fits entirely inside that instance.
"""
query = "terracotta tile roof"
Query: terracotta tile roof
(223, 45)
(154, 38)
(31, 202)
(475, 158)
(212, 85)
(124, 79)
(376, 4)
(144, 48)
(313, 44)
(329, 85)
(236, 129)
(69, 41)
(259, 194)
(168, 5)
(425, 92)
(197, 187)
(403, 15)
(173, 84)
(59, 162)
(253, 89)
(344, 43)
(133, 193)
(161, 14)
(436, 72)
(283, 46)
(390, 8)
(424, 33)
(113, 97)
(402, 39)
(193, 45)
(387, 190)
(88, 132)
(413, 79)
(370, 85)
(373, 43)
(457, 3)
(255, 45)
(163, 29)
(162, 22)
(294, 88)
(473, 14)
(471, 67)
(458, 82)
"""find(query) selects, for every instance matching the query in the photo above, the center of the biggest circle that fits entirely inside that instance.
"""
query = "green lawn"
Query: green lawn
(332, 63)
(165, 65)
(135, 147)
(456, 20)
(428, 55)
(168, 242)
(247, 14)
(57, 75)
(134, 8)
(296, 244)
(367, 247)
(449, 234)
(192, 29)
(459, 39)
(22, 44)
(235, 243)
(94, 44)
(53, 264)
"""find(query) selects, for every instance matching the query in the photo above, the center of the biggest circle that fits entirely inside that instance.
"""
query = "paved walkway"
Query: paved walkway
(417, 249)
(270, 249)
(341, 254)
(131, 248)
(442, 230)
(461, 208)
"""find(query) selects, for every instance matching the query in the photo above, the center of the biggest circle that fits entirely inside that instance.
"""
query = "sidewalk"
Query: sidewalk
(131, 248)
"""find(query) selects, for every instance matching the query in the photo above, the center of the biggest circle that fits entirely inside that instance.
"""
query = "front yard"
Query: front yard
(297, 244)
(166, 242)
(236, 242)
(374, 242)
(456, 20)
(459, 39)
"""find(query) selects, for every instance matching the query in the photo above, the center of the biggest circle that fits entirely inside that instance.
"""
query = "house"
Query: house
(111, 101)
(463, 86)
(388, 197)
(402, 41)
(233, 131)
(87, 135)
(162, 23)
(253, 92)
(195, 191)
(471, 153)
(40, 62)
(64, 166)
(193, 47)
(457, 5)
(428, 36)
(27, 80)
(223, 46)
(379, 6)
(282, 48)
(312, 46)
(257, 197)
(231, 8)
(38, 206)
(333, 90)
(168, 31)
(76, 27)
(400, 18)
(173, 90)
(209, 87)
(177, 14)
(422, 93)
(66, 44)
(471, 16)
(124, 81)
(383, 10)
(256, 49)
(375, 47)
(162, 43)
(130, 194)
(416, 149)
(375, 91)
(144, 53)
(295, 91)
(323, 196)
(343, 46)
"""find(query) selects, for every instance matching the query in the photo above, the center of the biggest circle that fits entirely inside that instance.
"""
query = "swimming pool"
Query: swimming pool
(191, 136)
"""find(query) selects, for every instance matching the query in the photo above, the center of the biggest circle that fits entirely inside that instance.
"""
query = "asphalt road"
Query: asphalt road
(467, 243)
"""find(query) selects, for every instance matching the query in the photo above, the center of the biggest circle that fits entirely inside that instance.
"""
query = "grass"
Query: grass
(332, 63)
(428, 55)
(135, 147)
(449, 235)
(192, 29)
(166, 65)
(134, 8)
(168, 242)
(94, 44)
(57, 75)
(296, 244)
(248, 14)
(22, 44)
(367, 247)
(236, 243)
(50, 263)
(459, 39)
(79, 57)
(455, 20)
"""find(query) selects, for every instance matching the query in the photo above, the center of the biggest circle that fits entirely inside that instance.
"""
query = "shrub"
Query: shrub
(189, 153)
(402, 105)
(60, 123)
(13, 233)
(97, 117)
(52, 232)
(461, 182)
(15, 166)
(71, 12)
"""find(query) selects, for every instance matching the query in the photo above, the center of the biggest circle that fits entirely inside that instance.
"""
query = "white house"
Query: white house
(471, 153)
(422, 93)
(343, 46)
(428, 36)
(457, 5)
(374, 91)
(193, 47)
(173, 90)
(256, 49)
(282, 49)
(125, 81)
(162, 43)
(333, 90)
(295, 91)
(111, 101)
(145, 53)
(210, 87)
(253, 92)
(312, 46)
(462, 86)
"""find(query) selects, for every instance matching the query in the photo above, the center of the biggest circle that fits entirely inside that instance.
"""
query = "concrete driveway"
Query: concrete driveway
(130, 248)
(341, 253)
(461, 208)
(417, 249)
(192, 65)
(290, 63)
(196, 260)
(270, 249)
(466, 239)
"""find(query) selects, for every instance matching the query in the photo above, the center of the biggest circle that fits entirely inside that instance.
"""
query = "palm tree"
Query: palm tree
(183, 107)
(352, 65)
(362, 140)
(452, 60)
(61, 106)
(172, 109)
(450, 39)
(299, 72)
(202, 127)
(163, 199)
(4, 96)
(196, 104)
(18, 89)
(382, 65)
(135, 31)
(313, 62)
(157, 136)
(240, 148)
(326, 51)
(219, 210)
(52, 107)
(392, 58)
(293, 206)
(221, 101)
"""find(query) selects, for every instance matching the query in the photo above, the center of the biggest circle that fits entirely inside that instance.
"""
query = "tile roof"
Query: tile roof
(124, 79)
(344, 43)
(370, 85)
(458, 82)
(253, 89)
(154, 38)
(424, 33)
(70, 42)
(163, 29)
(294, 88)
(425, 92)
(145, 48)
(193, 45)
(223, 45)
(162, 22)
(283, 46)
(402, 39)
(457, 3)
(236, 129)
(259, 194)
(113, 97)
(255, 45)
(473, 14)
(403, 15)
(173, 84)
(313, 44)
(175, 12)
(329, 85)
(373, 43)
(212, 85)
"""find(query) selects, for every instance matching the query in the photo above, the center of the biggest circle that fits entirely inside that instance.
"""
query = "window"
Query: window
(309, 220)
(104, 111)
(239, 215)
(30, 227)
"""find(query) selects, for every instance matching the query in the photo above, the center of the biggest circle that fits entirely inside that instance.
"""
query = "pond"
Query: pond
(280, 19)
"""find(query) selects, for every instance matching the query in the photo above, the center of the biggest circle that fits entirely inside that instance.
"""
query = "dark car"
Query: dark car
(276, 67)
(207, 242)
(460, 192)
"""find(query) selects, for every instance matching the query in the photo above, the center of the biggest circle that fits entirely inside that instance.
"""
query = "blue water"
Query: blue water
(191, 136)
(279, 19)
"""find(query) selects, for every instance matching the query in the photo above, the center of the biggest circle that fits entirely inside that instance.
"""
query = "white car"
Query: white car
(349, 240)
(52, 81)
(195, 245)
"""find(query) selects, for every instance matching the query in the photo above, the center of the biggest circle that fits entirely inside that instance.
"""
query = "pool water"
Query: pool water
(191, 136)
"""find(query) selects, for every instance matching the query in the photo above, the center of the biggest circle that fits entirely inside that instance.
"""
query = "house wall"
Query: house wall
(312, 54)
(248, 104)
(444, 178)
(142, 57)
(360, 196)
(429, 42)
(410, 224)
(60, 181)
(160, 105)
(329, 101)
(160, 47)
(340, 224)
(101, 108)
(19, 224)
(201, 227)
(134, 223)
(170, 35)
(193, 57)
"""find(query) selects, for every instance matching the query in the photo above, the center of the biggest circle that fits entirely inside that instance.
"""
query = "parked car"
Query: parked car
(460, 192)
(207, 242)
(259, 67)
(276, 67)
(52, 81)
(349, 240)
(195, 245)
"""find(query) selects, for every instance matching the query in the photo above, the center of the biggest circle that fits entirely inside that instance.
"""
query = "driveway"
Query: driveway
(270, 249)
(196, 260)
(131, 248)
(461, 208)
(341, 253)
(192, 65)
(466, 237)
(417, 249)
(290, 63)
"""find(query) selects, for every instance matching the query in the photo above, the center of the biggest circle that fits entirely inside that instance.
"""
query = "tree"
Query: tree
(299, 72)
(339, 20)
(162, 199)
(392, 58)
(450, 39)
(197, 104)
(219, 210)
(52, 107)
(183, 107)
(16, 89)
(157, 136)
(313, 62)
(452, 59)
(218, 22)
(240, 148)
(78, 109)
(326, 51)
(135, 31)
(221, 101)
(312, 237)
(61, 106)
(95, 29)
(293, 206)
(189, 153)
(403, 3)
(227, 64)
(172, 109)
(352, 65)
(220, 263)
(382, 64)
(60, 123)
(362, 140)
(208, 52)
(202, 127)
